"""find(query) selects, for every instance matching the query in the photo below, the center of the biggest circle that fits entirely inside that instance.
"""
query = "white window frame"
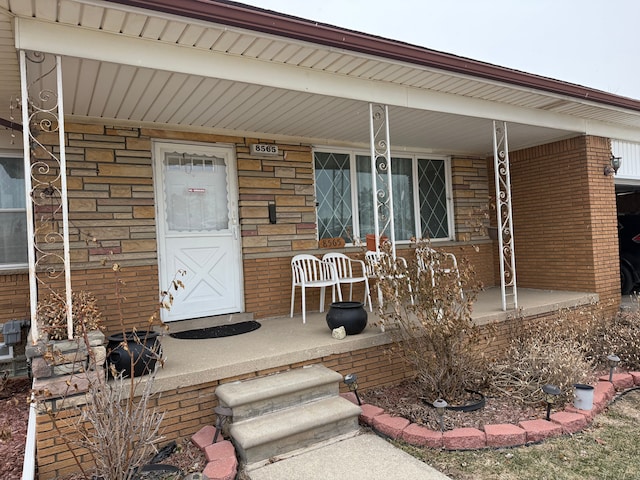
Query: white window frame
(17, 155)
(414, 156)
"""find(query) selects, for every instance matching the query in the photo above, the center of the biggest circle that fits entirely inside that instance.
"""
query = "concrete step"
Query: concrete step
(261, 438)
(264, 395)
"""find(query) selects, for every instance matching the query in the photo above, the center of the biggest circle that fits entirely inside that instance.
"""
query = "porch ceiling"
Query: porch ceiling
(430, 109)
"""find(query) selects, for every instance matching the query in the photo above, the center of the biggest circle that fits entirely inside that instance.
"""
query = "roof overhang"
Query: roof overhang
(224, 67)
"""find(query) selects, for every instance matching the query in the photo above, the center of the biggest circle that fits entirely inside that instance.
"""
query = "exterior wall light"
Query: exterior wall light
(550, 394)
(351, 381)
(613, 361)
(612, 169)
(440, 405)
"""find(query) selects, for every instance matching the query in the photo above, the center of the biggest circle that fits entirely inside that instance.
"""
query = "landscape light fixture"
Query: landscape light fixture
(550, 394)
(222, 413)
(351, 381)
(440, 405)
(613, 361)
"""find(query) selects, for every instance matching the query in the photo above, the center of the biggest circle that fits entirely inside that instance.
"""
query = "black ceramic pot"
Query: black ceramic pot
(143, 346)
(350, 315)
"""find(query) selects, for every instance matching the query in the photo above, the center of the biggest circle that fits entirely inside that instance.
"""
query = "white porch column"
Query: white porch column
(504, 214)
(45, 179)
(381, 178)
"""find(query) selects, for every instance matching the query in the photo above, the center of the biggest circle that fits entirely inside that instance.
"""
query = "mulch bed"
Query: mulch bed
(14, 417)
(404, 400)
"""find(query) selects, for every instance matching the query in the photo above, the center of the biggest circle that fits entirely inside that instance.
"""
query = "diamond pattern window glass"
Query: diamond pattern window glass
(365, 197)
(333, 194)
(420, 201)
(403, 208)
(432, 194)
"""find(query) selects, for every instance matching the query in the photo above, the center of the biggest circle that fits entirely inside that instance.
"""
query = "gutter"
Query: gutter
(274, 23)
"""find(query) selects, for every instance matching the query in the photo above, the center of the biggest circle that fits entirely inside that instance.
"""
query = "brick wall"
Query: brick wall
(268, 279)
(189, 408)
(564, 216)
(14, 296)
(14, 300)
(112, 213)
(138, 291)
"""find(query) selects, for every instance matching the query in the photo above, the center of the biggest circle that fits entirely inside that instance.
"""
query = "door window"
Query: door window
(196, 193)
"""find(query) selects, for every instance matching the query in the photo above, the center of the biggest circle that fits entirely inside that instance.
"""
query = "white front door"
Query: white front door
(197, 224)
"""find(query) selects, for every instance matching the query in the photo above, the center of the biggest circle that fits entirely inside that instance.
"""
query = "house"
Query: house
(223, 139)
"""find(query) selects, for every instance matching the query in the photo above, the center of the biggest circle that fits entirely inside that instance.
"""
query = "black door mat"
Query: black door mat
(217, 331)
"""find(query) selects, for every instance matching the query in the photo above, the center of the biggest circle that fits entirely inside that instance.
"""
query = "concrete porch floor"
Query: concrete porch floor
(284, 341)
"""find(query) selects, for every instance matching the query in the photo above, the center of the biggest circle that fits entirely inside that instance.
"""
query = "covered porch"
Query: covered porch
(224, 85)
(284, 342)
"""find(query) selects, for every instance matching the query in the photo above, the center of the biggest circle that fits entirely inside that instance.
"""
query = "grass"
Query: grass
(607, 449)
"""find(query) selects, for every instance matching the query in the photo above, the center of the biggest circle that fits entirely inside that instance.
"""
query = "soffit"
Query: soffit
(106, 90)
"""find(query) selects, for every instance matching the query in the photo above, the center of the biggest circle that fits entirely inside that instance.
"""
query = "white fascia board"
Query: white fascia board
(602, 129)
(82, 42)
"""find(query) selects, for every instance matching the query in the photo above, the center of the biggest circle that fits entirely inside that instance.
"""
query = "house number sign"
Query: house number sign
(337, 242)
(264, 149)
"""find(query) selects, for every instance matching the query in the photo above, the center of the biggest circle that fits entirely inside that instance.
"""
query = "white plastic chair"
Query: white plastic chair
(344, 268)
(308, 271)
(431, 260)
(373, 260)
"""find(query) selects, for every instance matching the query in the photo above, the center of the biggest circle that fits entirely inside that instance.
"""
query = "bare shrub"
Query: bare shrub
(552, 350)
(52, 314)
(120, 433)
(619, 335)
(116, 424)
(529, 365)
(427, 308)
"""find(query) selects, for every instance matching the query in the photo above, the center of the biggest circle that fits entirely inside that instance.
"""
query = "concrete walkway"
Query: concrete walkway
(365, 456)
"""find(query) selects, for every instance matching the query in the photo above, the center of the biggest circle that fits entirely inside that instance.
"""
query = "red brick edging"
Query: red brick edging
(570, 420)
(223, 464)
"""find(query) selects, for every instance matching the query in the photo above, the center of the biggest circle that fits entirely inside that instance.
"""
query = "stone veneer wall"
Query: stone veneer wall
(112, 212)
(112, 219)
(470, 188)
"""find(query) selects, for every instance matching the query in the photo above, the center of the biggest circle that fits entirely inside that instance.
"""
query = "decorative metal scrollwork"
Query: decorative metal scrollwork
(45, 173)
(504, 217)
(381, 173)
(42, 114)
